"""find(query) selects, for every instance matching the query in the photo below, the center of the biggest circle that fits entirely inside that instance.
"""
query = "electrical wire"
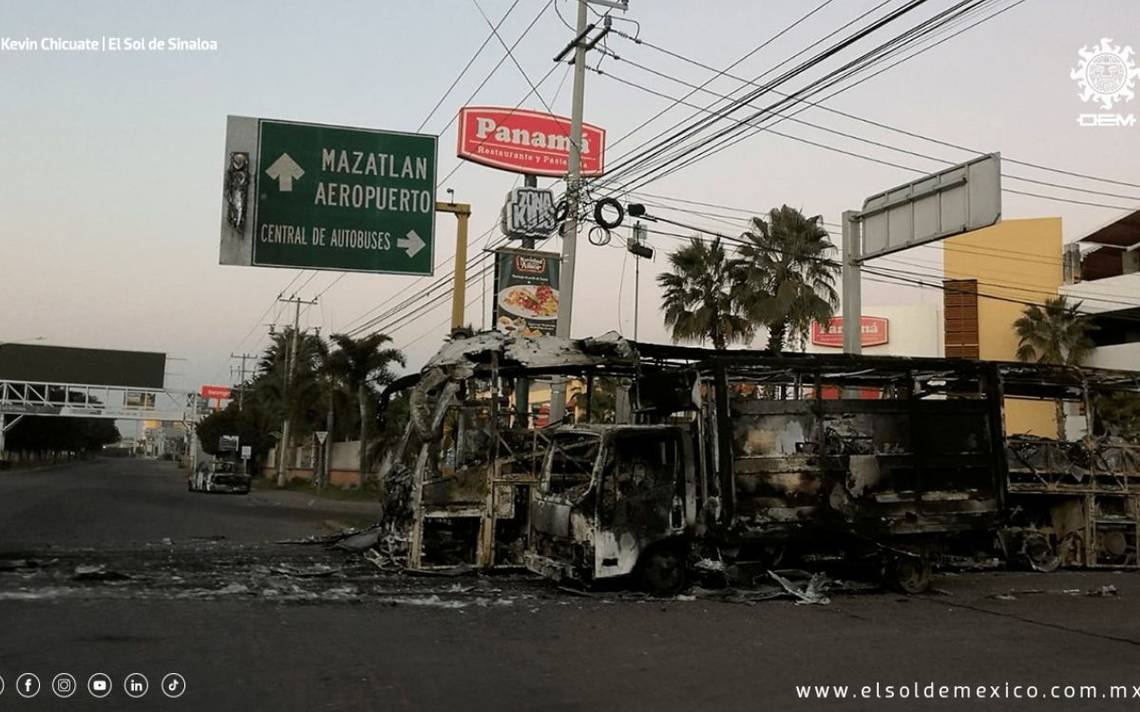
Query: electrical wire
(862, 139)
(462, 72)
(737, 131)
(880, 124)
(728, 144)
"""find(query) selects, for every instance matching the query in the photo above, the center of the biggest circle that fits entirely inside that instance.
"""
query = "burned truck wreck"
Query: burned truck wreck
(673, 455)
(750, 457)
(458, 485)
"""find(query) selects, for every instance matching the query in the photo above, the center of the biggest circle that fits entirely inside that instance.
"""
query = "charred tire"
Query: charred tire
(1037, 553)
(907, 574)
(661, 571)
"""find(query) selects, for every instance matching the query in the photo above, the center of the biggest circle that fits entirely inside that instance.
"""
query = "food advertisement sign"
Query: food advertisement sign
(526, 292)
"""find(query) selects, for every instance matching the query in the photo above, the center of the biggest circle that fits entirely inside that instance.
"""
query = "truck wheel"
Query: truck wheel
(661, 571)
(908, 574)
(1037, 552)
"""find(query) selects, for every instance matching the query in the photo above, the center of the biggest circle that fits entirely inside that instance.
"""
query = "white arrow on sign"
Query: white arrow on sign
(285, 170)
(411, 244)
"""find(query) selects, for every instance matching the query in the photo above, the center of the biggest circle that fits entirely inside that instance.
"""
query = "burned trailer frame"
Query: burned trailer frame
(457, 484)
(780, 452)
(883, 449)
(1072, 501)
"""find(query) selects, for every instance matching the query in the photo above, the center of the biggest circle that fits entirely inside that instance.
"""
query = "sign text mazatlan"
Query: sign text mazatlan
(329, 197)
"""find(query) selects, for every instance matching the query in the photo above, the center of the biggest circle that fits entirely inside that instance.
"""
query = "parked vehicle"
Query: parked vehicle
(219, 476)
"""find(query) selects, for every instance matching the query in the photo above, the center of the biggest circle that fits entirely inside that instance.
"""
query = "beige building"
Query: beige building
(990, 275)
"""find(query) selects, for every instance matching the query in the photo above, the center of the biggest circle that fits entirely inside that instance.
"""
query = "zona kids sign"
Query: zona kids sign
(531, 142)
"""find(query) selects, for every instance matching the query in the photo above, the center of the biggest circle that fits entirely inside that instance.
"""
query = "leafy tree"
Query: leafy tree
(1055, 333)
(301, 400)
(362, 365)
(251, 423)
(1118, 414)
(703, 295)
(787, 262)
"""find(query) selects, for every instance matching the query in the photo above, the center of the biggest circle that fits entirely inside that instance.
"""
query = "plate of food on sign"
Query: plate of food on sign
(530, 301)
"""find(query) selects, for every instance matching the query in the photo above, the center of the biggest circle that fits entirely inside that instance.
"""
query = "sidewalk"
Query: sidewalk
(309, 500)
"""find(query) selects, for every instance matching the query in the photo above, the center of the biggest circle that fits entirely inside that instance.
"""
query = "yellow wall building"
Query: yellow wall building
(1017, 260)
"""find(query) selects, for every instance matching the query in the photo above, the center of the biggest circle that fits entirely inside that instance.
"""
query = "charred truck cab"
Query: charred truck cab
(615, 500)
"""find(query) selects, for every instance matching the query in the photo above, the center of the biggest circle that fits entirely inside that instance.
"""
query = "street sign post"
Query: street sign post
(313, 196)
(949, 202)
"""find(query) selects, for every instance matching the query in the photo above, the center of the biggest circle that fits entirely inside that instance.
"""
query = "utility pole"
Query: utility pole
(570, 226)
(295, 344)
(241, 383)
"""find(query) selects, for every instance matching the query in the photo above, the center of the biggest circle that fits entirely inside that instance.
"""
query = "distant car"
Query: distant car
(218, 476)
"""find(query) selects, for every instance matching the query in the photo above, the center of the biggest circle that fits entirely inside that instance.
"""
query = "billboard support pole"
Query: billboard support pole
(462, 212)
(570, 227)
(522, 385)
(852, 285)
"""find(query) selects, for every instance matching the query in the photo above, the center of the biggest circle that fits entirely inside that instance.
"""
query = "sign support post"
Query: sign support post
(852, 284)
(462, 211)
(522, 384)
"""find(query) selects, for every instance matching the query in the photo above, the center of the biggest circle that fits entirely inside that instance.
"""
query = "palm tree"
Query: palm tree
(335, 396)
(362, 365)
(289, 396)
(702, 297)
(788, 265)
(1056, 333)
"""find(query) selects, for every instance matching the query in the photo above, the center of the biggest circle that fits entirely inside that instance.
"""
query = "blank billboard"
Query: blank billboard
(952, 201)
(99, 367)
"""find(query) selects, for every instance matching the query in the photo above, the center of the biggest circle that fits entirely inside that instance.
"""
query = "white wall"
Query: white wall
(1122, 356)
(1109, 294)
(914, 330)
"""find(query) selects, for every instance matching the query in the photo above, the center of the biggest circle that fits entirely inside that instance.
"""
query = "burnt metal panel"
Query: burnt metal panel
(64, 364)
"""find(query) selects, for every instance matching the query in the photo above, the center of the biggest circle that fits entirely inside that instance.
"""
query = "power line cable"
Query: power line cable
(844, 134)
(462, 72)
(729, 143)
(737, 131)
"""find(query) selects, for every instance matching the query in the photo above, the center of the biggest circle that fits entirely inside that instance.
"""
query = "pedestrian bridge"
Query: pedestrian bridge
(76, 400)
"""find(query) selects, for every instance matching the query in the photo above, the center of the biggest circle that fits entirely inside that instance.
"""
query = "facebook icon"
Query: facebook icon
(28, 685)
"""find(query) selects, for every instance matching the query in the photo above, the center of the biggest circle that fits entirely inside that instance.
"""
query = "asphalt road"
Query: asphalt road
(194, 584)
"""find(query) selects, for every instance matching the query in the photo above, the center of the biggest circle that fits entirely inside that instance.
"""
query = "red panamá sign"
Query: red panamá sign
(524, 141)
(875, 331)
(215, 392)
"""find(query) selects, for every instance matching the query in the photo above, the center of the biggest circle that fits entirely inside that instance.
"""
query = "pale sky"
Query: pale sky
(112, 162)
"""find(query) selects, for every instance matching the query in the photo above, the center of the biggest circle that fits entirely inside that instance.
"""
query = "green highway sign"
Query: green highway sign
(313, 196)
